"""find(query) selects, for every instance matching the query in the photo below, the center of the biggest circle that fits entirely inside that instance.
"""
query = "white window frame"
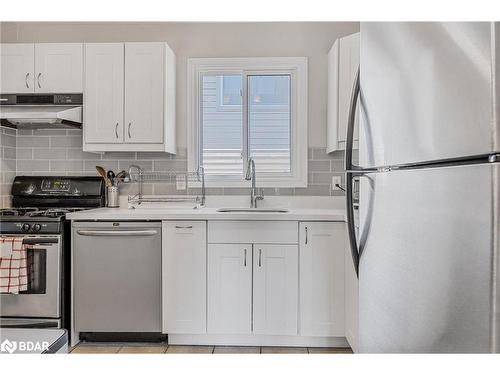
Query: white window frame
(297, 68)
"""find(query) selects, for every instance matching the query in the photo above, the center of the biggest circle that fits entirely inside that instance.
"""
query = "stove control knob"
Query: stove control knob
(36, 227)
(25, 227)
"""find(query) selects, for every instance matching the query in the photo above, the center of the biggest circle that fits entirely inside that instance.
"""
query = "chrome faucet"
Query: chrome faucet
(255, 194)
(140, 172)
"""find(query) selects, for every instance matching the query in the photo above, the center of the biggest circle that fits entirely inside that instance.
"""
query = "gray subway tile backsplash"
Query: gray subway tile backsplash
(59, 152)
(49, 153)
(24, 153)
(33, 165)
(32, 141)
(66, 165)
(318, 165)
(66, 141)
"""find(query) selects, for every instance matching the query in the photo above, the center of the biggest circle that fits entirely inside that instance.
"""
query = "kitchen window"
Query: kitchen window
(248, 108)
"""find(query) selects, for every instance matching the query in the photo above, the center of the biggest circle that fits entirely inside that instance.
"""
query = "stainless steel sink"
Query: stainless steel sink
(247, 209)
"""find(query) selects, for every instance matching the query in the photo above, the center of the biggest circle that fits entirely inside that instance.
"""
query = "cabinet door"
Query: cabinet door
(59, 67)
(275, 289)
(184, 257)
(322, 247)
(348, 67)
(144, 98)
(229, 288)
(17, 69)
(333, 98)
(103, 109)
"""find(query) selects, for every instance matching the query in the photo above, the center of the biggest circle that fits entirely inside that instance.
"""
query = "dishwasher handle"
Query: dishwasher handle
(117, 233)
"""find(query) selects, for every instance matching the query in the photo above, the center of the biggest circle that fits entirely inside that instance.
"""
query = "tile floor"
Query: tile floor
(122, 348)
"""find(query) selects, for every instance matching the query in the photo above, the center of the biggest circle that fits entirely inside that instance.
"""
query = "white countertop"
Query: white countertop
(206, 213)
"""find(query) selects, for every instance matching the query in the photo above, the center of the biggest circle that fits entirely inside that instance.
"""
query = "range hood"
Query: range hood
(35, 111)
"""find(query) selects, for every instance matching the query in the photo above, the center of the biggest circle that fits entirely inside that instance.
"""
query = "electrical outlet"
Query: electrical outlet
(336, 180)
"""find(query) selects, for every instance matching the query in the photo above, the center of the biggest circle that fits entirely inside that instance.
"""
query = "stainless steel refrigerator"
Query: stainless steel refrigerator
(428, 242)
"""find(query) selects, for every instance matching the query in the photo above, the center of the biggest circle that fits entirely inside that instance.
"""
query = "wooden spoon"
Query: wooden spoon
(102, 173)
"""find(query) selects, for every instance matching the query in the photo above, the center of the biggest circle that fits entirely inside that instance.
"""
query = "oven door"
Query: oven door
(43, 297)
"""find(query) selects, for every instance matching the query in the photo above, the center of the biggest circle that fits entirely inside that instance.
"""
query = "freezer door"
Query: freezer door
(426, 91)
(428, 245)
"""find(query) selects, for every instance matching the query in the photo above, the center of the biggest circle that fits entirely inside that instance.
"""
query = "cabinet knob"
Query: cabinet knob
(245, 260)
(116, 130)
(260, 257)
(129, 125)
(38, 80)
(26, 80)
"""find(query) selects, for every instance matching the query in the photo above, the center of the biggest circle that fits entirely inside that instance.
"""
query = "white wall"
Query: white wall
(210, 40)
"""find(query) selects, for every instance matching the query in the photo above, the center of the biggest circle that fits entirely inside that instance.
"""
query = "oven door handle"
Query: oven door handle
(29, 325)
(39, 241)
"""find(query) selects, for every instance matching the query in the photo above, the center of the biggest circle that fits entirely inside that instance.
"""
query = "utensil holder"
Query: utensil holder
(113, 200)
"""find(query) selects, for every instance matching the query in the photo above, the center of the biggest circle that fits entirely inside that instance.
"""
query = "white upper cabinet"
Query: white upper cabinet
(103, 109)
(147, 89)
(41, 68)
(17, 68)
(343, 63)
(144, 77)
(275, 294)
(322, 247)
(59, 67)
(229, 289)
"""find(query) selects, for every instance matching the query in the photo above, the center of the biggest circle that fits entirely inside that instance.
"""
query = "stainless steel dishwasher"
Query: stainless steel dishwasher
(117, 276)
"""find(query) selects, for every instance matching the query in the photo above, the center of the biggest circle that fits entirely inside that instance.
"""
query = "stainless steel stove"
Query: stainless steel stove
(40, 204)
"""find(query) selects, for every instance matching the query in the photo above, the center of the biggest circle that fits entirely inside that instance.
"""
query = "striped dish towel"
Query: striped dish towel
(13, 265)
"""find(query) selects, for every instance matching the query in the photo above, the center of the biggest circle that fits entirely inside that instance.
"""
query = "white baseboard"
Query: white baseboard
(257, 340)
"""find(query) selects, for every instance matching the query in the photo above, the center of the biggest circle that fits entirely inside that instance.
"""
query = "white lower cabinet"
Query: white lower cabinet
(275, 292)
(229, 288)
(322, 247)
(255, 283)
(184, 252)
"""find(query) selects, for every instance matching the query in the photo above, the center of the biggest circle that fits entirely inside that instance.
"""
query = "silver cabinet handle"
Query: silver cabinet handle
(26, 80)
(260, 257)
(117, 233)
(38, 80)
(129, 125)
(183, 227)
(306, 235)
(245, 261)
(4, 100)
(116, 130)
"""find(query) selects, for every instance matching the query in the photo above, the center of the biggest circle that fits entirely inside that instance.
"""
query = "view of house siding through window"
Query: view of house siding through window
(222, 123)
(269, 122)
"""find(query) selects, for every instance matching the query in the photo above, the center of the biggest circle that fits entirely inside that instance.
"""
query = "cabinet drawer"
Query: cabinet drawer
(283, 232)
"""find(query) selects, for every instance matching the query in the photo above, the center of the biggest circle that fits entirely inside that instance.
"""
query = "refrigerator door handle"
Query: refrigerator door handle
(351, 228)
(351, 171)
(350, 125)
(355, 170)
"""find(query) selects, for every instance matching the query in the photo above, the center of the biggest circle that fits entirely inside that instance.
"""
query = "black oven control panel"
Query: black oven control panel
(56, 185)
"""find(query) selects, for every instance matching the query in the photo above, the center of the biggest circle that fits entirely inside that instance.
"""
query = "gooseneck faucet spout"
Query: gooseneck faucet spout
(255, 194)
